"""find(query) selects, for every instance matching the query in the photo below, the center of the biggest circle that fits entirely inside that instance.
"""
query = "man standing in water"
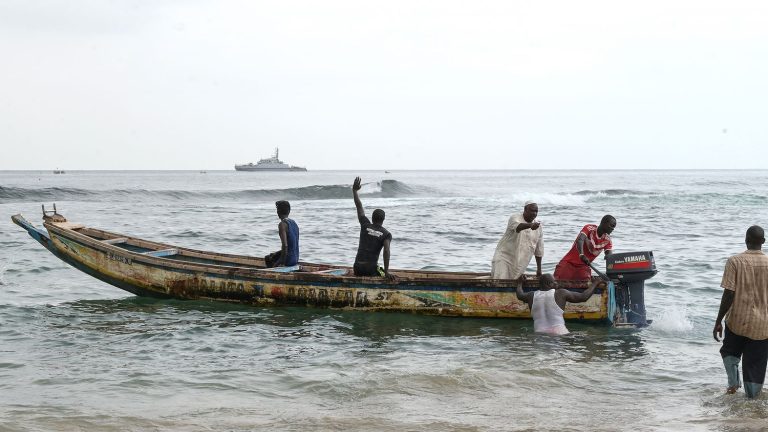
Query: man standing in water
(373, 237)
(289, 239)
(522, 240)
(592, 240)
(745, 307)
(547, 304)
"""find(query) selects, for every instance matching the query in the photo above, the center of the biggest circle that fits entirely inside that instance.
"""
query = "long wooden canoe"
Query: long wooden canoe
(148, 268)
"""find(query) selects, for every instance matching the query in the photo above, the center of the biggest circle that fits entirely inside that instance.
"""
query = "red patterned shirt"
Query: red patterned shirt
(593, 245)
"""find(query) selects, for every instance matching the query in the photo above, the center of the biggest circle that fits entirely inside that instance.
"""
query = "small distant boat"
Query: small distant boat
(153, 269)
(58, 171)
(203, 172)
(269, 164)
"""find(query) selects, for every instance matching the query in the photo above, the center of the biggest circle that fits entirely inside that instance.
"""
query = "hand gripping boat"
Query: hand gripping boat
(152, 269)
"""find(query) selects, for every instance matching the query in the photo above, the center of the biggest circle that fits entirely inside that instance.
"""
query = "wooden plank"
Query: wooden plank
(335, 272)
(161, 253)
(281, 269)
(115, 240)
(69, 225)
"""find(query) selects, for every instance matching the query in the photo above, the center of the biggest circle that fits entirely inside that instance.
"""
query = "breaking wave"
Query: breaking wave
(614, 192)
(385, 189)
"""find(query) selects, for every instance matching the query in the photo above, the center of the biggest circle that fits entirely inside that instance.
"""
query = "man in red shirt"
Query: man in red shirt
(592, 240)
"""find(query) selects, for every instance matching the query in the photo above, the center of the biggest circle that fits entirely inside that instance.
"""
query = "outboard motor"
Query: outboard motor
(628, 271)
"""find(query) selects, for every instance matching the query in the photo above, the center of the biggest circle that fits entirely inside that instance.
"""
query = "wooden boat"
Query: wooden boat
(147, 268)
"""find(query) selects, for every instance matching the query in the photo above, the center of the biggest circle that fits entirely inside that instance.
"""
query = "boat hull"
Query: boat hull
(415, 292)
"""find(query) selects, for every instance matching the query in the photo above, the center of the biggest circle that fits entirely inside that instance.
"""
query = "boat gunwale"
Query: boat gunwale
(412, 281)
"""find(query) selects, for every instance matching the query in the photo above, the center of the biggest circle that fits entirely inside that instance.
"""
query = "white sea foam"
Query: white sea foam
(673, 319)
(551, 199)
(370, 188)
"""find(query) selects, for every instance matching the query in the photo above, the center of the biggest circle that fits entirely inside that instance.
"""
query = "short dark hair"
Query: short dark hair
(606, 219)
(755, 234)
(283, 207)
(378, 216)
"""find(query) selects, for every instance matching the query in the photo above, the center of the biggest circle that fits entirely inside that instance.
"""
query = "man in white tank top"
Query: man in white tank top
(548, 303)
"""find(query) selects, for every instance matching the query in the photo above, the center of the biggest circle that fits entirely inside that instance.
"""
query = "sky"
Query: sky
(196, 84)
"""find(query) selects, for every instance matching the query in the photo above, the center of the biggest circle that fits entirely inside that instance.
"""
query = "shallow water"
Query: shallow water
(76, 353)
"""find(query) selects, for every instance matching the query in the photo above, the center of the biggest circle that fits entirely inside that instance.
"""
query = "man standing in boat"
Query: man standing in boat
(289, 239)
(522, 240)
(547, 304)
(744, 306)
(592, 240)
(373, 238)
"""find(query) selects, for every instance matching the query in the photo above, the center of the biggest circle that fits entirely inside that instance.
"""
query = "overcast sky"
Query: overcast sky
(161, 84)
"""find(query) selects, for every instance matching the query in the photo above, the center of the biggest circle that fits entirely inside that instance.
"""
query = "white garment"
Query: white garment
(515, 249)
(547, 315)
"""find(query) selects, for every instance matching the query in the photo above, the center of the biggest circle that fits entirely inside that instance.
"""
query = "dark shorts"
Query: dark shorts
(272, 259)
(753, 355)
(366, 269)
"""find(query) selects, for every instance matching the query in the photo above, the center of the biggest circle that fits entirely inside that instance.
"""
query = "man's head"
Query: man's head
(283, 208)
(607, 224)
(378, 216)
(755, 237)
(530, 211)
(547, 282)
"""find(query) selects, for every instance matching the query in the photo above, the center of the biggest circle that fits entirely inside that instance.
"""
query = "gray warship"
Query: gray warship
(269, 164)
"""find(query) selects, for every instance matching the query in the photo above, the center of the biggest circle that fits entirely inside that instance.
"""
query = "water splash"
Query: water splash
(674, 319)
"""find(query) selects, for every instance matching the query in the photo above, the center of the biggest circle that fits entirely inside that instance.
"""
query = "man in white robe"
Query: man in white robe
(522, 240)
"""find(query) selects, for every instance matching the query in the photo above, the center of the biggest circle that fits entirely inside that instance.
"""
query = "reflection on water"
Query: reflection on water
(585, 343)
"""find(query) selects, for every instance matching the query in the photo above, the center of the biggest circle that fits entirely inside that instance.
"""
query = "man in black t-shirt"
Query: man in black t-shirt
(373, 237)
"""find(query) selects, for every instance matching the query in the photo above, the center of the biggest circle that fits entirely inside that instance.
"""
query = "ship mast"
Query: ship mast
(277, 153)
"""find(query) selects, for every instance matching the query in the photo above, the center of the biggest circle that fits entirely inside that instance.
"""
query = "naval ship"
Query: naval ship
(269, 164)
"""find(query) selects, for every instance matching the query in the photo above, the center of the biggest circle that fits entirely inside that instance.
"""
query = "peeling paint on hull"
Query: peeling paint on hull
(416, 292)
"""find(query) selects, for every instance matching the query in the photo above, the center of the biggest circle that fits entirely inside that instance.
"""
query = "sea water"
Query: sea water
(76, 353)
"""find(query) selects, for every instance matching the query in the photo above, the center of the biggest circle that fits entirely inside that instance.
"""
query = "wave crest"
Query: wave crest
(385, 188)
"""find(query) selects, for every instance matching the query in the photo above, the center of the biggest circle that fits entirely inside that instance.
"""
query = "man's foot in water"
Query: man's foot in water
(731, 390)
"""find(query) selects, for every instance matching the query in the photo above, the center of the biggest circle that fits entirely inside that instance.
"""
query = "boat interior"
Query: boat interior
(181, 254)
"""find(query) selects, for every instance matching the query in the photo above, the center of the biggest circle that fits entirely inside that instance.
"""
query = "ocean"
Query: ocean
(78, 354)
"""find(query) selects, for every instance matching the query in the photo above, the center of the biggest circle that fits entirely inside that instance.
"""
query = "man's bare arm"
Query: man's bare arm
(526, 297)
(580, 239)
(283, 230)
(386, 257)
(580, 297)
(726, 301)
(358, 204)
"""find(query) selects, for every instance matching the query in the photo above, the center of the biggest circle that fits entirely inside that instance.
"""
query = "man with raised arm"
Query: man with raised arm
(522, 240)
(547, 304)
(592, 240)
(373, 237)
(288, 255)
(744, 306)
